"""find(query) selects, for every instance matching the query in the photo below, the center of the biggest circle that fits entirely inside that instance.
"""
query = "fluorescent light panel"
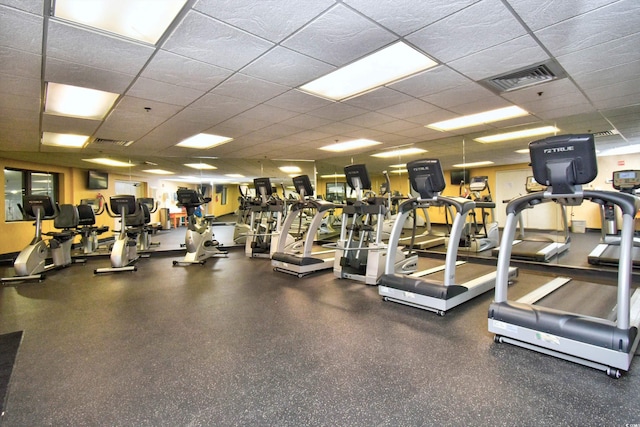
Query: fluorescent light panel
(203, 141)
(398, 153)
(525, 133)
(158, 171)
(290, 169)
(200, 166)
(234, 175)
(64, 140)
(108, 162)
(141, 20)
(473, 164)
(334, 175)
(382, 67)
(74, 101)
(490, 116)
(400, 171)
(350, 145)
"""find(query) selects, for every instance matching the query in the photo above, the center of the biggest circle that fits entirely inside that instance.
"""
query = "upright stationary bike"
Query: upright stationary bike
(199, 238)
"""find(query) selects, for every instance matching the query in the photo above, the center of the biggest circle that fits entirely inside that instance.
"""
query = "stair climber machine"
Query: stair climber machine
(441, 288)
(199, 237)
(483, 236)
(592, 324)
(31, 263)
(360, 252)
(148, 206)
(608, 251)
(265, 221)
(304, 256)
(89, 232)
(124, 252)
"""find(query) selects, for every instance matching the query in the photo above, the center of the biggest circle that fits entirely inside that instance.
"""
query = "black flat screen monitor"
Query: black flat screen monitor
(426, 177)
(303, 185)
(263, 186)
(97, 180)
(357, 176)
(459, 176)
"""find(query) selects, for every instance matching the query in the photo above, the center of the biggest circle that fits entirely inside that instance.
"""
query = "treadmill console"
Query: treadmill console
(426, 177)
(357, 177)
(303, 186)
(263, 187)
(626, 181)
(564, 161)
(478, 183)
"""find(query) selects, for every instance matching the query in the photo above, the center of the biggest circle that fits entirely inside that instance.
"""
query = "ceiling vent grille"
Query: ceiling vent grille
(526, 77)
(103, 141)
(605, 133)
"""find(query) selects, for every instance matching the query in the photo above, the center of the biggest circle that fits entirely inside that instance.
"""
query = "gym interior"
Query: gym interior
(281, 275)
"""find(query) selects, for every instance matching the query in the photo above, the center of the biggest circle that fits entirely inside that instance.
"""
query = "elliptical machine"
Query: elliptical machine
(88, 209)
(125, 249)
(31, 262)
(199, 238)
(483, 236)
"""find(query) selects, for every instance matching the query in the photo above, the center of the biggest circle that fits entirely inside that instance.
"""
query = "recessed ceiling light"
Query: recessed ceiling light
(387, 65)
(137, 19)
(108, 162)
(290, 169)
(158, 171)
(399, 165)
(200, 166)
(64, 140)
(400, 152)
(203, 141)
(74, 101)
(523, 151)
(526, 133)
(473, 164)
(479, 118)
(333, 175)
(350, 145)
(234, 175)
(400, 171)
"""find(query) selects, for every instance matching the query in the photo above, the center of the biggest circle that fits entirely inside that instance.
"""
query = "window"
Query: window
(18, 183)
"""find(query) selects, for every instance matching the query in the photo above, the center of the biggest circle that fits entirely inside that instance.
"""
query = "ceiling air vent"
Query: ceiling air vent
(605, 133)
(103, 141)
(529, 76)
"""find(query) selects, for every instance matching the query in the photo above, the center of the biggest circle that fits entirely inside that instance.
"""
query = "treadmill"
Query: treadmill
(608, 251)
(442, 288)
(291, 258)
(539, 247)
(605, 338)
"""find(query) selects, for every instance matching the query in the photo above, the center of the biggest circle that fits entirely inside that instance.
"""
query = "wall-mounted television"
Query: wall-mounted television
(97, 180)
(460, 175)
(219, 188)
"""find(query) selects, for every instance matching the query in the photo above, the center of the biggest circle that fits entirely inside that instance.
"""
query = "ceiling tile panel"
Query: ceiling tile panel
(593, 28)
(543, 13)
(480, 26)
(20, 63)
(74, 74)
(406, 16)
(163, 92)
(222, 106)
(93, 49)
(246, 87)
(20, 30)
(26, 104)
(204, 39)
(175, 69)
(268, 113)
(306, 121)
(369, 119)
(32, 6)
(272, 19)
(339, 36)
(431, 81)
(506, 57)
(458, 95)
(337, 111)
(484, 104)
(408, 109)
(608, 76)
(295, 100)
(379, 98)
(286, 67)
(20, 86)
(60, 124)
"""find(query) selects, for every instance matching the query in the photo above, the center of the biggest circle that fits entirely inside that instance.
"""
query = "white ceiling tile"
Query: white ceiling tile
(20, 30)
(556, 88)
(20, 86)
(61, 124)
(305, 121)
(73, 44)
(20, 63)
(286, 67)
(339, 128)
(458, 95)
(542, 13)
(593, 28)
(178, 70)
(268, 113)
(484, 104)
(249, 88)
(503, 58)
(470, 30)
(204, 39)
(225, 106)
(301, 102)
(339, 36)
(25, 104)
(337, 111)
(163, 92)
(408, 109)
(431, 81)
(406, 16)
(608, 76)
(369, 119)
(272, 19)
(74, 74)
(563, 111)
(379, 98)
(32, 6)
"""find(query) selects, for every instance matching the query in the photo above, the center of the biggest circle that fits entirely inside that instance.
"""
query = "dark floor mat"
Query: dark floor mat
(9, 344)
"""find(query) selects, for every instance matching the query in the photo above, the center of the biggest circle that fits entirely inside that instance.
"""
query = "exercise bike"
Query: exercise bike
(199, 238)
(88, 209)
(148, 206)
(125, 247)
(31, 263)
